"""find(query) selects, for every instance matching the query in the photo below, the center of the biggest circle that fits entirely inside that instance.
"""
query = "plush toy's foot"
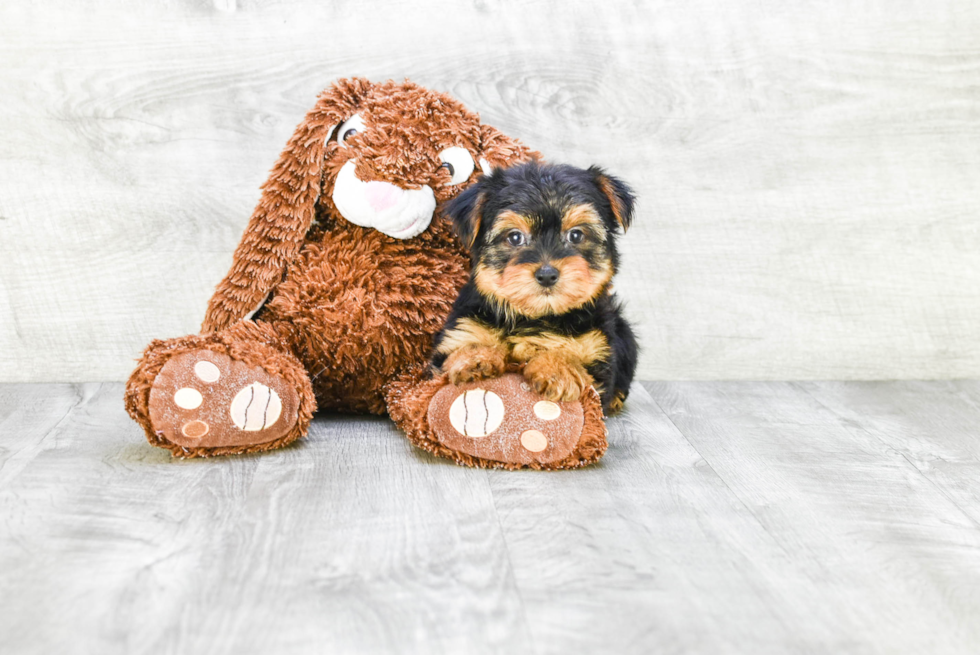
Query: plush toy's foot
(498, 423)
(203, 399)
(220, 394)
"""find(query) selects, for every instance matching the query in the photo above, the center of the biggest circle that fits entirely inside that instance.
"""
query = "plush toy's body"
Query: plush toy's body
(361, 303)
(344, 274)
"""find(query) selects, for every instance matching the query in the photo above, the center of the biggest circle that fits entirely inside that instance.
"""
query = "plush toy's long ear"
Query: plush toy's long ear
(466, 212)
(498, 150)
(620, 196)
(285, 212)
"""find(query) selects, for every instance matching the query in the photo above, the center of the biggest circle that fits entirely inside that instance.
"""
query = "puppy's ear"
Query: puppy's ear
(498, 150)
(466, 212)
(620, 195)
(285, 211)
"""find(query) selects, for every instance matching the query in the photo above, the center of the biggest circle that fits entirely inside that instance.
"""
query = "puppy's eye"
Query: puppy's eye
(458, 162)
(575, 236)
(350, 127)
(516, 238)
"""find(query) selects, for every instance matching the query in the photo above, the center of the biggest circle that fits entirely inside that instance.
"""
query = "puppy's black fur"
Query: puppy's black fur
(543, 247)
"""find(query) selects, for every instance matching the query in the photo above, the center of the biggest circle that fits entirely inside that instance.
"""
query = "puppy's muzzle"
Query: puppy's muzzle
(399, 213)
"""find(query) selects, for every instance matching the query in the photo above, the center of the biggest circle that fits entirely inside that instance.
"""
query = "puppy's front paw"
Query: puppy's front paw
(474, 363)
(556, 378)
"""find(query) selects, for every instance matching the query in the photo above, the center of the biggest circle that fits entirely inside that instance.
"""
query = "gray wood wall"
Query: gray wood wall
(808, 172)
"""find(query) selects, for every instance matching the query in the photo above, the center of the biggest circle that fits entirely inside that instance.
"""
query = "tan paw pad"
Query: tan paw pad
(534, 440)
(206, 371)
(188, 398)
(476, 413)
(195, 429)
(547, 410)
(256, 407)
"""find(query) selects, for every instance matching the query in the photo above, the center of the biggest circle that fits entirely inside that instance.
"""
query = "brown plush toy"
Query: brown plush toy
(344, 274)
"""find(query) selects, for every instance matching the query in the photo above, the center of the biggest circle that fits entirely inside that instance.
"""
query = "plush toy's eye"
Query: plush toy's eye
(516, 238)
(458, 162)
(575, 236)
(349, 128)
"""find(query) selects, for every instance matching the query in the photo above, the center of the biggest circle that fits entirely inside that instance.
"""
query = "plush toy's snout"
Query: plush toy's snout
(396, 201)
(383, 206)
(387, 178)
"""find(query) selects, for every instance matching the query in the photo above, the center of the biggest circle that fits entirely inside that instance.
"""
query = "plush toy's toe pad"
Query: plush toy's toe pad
(502, 419)
(204, 399)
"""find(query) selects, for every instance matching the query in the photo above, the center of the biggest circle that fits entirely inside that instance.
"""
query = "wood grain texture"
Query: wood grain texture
(932, 425)
(807, 174)
(731, 517)
(848, 512)
(343, 545)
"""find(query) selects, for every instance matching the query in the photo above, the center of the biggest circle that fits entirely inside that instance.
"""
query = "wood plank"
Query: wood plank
(934, 425)
(726, 518)
(652, 552)
(806, 173)
(350, 540)
(885, 561)
(28, 414)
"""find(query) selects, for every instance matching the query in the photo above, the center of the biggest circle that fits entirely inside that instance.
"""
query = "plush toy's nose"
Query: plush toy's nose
(381, 195)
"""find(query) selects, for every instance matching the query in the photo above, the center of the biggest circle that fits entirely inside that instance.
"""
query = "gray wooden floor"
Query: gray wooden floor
(727, 518)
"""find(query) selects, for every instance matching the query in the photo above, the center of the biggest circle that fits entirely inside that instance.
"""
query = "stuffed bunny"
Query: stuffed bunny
(344, 274)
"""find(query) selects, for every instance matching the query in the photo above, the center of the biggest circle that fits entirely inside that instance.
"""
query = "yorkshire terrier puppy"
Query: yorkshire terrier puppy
(542, 240)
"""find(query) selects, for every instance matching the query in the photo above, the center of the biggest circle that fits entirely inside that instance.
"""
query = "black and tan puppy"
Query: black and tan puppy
(543, 245)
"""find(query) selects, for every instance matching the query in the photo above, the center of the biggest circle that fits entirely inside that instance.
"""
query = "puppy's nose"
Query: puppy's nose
(547, 275)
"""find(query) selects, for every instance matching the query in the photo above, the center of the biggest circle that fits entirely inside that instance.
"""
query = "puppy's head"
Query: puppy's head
(543, 238)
